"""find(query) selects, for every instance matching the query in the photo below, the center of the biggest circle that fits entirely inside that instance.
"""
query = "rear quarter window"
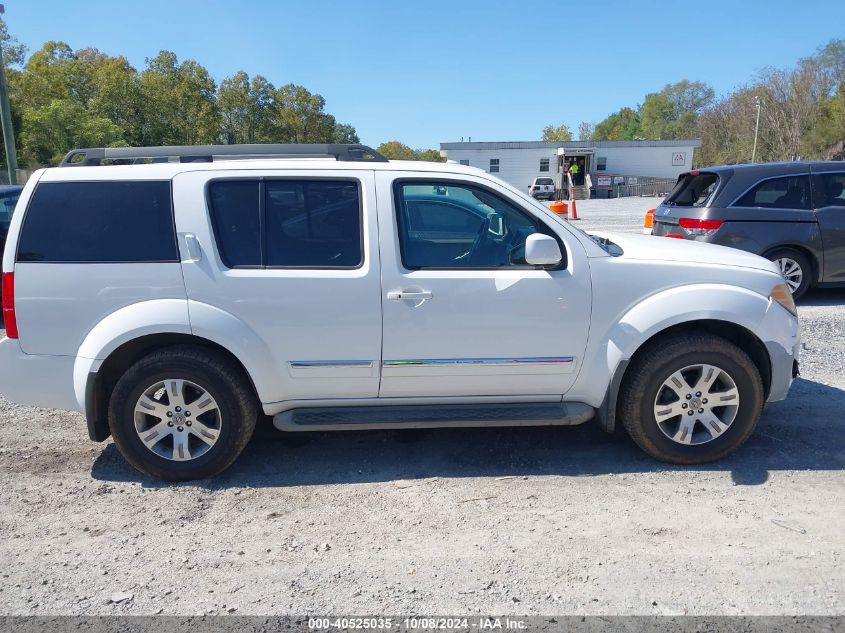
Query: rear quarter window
(99, 222)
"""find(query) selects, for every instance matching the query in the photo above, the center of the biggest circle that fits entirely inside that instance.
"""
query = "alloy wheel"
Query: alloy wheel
(696, 404)
(177, 419)
(791, 272)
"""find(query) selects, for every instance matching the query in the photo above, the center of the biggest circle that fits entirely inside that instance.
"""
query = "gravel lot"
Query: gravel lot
(524, 521)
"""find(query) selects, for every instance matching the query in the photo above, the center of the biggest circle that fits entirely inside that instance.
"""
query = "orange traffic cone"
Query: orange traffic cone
(559, 207)
(574, 214)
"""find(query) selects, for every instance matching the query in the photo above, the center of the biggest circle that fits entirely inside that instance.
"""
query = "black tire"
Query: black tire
(655, 364)
(803, 262)
(219, 376)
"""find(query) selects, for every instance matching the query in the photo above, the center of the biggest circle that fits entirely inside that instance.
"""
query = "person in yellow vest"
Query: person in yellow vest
(574, 169)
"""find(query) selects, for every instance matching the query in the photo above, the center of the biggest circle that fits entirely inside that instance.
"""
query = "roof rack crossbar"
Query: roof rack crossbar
(92, 156)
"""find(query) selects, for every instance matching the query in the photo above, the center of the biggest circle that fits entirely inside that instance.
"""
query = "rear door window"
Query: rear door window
(313, 224)
(693, 190)
(99, 222)
(787, 192)
(287, 223)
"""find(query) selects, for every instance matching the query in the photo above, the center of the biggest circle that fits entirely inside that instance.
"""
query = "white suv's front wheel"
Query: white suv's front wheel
(182, 413)
(691, 399)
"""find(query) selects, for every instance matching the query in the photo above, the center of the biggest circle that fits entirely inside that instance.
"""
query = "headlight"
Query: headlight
(783, 296)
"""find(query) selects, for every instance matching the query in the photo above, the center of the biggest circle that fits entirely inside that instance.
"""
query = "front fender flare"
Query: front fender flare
(659, 312)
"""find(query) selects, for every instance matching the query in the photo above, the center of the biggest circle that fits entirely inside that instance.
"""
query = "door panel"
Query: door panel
(321, 326)
(471, 331)
(829, 196)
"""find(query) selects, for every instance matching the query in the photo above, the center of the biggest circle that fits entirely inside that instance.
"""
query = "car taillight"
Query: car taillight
(677, 236)
(648, 223)
(9, 305)
(698, 227)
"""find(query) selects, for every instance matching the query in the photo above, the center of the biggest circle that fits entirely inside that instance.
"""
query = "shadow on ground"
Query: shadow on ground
(823, 297)
(798, 434)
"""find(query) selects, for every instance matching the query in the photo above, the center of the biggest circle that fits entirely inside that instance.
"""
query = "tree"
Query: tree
(179, 102)
(621, 125)
(559, 133)
(431, 155)
(245, 108)
(51, 130)
(672, 113)
(14, 53)
(345, 133)
(585, 131)
(394, 150)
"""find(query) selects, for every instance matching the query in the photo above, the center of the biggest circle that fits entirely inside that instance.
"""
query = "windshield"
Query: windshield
(693, 190)
(544, 181)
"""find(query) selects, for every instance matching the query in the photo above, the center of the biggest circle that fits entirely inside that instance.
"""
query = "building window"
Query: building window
(465, 162)
(601, 163)
(544, 164)
(494, 165)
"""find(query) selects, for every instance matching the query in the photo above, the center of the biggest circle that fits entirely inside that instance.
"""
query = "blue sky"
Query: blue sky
(429, 71)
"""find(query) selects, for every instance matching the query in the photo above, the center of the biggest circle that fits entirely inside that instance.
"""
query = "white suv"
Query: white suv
(542, 187)
(175, 302)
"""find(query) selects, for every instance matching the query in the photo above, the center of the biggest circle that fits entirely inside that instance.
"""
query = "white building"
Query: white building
(518, 163)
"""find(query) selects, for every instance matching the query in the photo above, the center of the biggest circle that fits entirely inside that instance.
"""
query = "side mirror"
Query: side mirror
(542, 250)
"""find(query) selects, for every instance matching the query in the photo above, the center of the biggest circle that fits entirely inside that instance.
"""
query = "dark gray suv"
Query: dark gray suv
(791, 213)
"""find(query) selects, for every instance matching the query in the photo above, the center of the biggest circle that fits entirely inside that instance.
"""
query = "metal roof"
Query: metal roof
(695, 142)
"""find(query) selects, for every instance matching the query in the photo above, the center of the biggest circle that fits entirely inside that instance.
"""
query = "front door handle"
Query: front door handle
(193, 246)
(401, 295)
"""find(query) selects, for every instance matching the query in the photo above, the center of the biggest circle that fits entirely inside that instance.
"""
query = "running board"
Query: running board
(433, 416)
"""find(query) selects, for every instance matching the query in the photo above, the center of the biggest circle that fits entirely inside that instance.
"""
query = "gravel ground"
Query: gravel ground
(523, 521)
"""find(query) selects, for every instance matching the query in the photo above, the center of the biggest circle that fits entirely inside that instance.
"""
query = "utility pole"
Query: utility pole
(6, 120)
(756, 128)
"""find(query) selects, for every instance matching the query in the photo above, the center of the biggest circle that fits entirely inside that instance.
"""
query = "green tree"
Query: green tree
(117, 96)
(585, 131)
(430, 155)
(394, 150)
(672, 113)
(345, 133)
(245, 108)
(50, 130)
(621, 125)
(180, 107)
(298, 116)
(14, 53)
(559, 133)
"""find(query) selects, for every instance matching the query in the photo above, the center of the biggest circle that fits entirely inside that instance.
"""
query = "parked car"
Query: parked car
(790, 213)
(9, 195)
(174, 302)
(543, 188)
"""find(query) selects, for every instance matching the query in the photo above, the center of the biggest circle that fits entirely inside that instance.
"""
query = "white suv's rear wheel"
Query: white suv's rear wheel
(690, 399)
(182, 413)
(178, 419)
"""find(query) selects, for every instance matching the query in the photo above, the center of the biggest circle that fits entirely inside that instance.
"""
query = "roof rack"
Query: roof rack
(92, 156)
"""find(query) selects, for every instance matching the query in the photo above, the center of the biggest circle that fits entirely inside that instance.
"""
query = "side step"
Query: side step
(433, 416)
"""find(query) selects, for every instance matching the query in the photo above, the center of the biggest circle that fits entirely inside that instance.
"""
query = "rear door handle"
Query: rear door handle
(401, 295)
